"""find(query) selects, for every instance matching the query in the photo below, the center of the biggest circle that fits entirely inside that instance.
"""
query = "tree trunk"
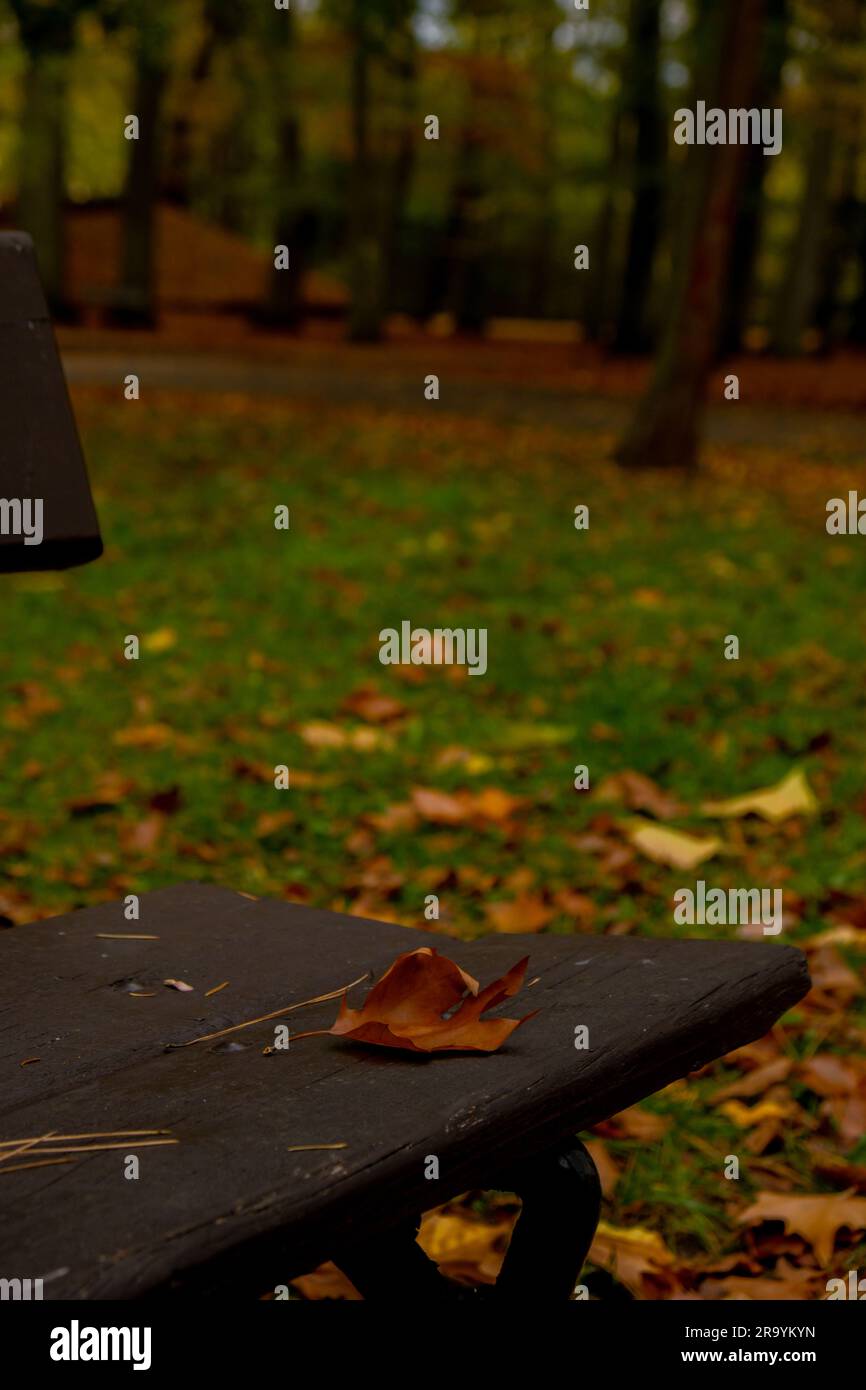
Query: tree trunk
(598, 312)
(398, 178)
(282, 307)
(664, 430)
(747, 236)
(365, 250)
(42, 161)
(467, 288)
(136, 300)
(799, 288)
(644, 115)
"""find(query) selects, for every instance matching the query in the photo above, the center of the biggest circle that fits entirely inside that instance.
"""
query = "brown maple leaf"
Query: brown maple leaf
(816, 1219)
(421, 1005)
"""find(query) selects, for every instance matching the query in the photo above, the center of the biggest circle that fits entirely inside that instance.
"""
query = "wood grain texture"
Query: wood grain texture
(229, 1207)
(40, 455)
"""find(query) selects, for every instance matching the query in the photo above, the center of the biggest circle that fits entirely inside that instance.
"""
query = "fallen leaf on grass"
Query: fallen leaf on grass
(442, 807)
(791, 1284)
(318, 734)
(745, 1116)
(109, 791)
(464, 1247)
(372, 706)
(145, 736)
(634, 1123)
(639, 793)
(524, 913)
(162, 640)
(791, 797)
(326, 1282)
(636, 1257)
(405, 1008)
(756, 1081)
(672, 847)
(817, 1220)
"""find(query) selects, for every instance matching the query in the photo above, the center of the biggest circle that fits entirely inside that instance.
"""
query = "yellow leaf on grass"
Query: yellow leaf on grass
(791, 797)
(159, 641)
(672, 847)
(747, 1115)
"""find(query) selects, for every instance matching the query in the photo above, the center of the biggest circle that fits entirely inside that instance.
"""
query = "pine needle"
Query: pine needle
(94, 1134)
(97, 1148)
(216, 989)
(277, 1013)
(24, 1145)
(124, 936)
(304, 1148)
(42, 1163)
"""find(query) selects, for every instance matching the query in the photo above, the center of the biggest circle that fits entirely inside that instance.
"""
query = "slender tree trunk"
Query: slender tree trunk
(282, 307)
(179, 160)
(747, 235)
(467, 290)
(42, 164)
(799, 288)
(598, 312)
(137, 297)
(644, 113)
(545, 185)
(365, 250)
(839, 246)
(398, 178)
(664, 430)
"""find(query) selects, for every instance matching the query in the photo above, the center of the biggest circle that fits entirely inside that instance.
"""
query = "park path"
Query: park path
(391, 381)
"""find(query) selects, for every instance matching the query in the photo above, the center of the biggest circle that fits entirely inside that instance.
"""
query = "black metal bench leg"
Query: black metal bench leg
(561, 1197)
(561, 1201)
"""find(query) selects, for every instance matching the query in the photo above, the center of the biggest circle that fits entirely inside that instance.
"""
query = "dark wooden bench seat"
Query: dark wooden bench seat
(228, 1207)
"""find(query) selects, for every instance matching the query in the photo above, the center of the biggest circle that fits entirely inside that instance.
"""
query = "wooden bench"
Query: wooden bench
(229, 1207)
(40, 456)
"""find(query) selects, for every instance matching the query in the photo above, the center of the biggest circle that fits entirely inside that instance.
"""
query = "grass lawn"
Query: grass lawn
(605, 648)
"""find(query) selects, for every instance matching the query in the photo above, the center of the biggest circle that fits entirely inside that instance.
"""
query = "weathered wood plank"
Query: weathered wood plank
(229, 1204)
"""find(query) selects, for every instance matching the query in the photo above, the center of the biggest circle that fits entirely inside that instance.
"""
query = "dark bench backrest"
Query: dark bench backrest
(40, 456)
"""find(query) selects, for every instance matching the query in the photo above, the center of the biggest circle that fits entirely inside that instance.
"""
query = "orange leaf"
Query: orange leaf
(405, 1008)
(524, 913)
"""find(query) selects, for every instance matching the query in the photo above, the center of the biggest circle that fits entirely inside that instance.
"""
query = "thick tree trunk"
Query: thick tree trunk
(644, 115)
(42, 161)
(664, 430)
(136, 300)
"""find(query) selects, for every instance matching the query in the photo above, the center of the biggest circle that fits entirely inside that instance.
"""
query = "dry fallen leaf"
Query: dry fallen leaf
(527, 912)
(639, 793)
(162, 640)
(635, 1257)
(816, 1219)
(405, 1007)
(441, 807)
(372, 706)
(326, 1282)
(791, 797)
(672, 847)
(464, 1247)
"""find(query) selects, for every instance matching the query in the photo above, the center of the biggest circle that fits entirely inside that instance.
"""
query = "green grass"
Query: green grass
(604, 647)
